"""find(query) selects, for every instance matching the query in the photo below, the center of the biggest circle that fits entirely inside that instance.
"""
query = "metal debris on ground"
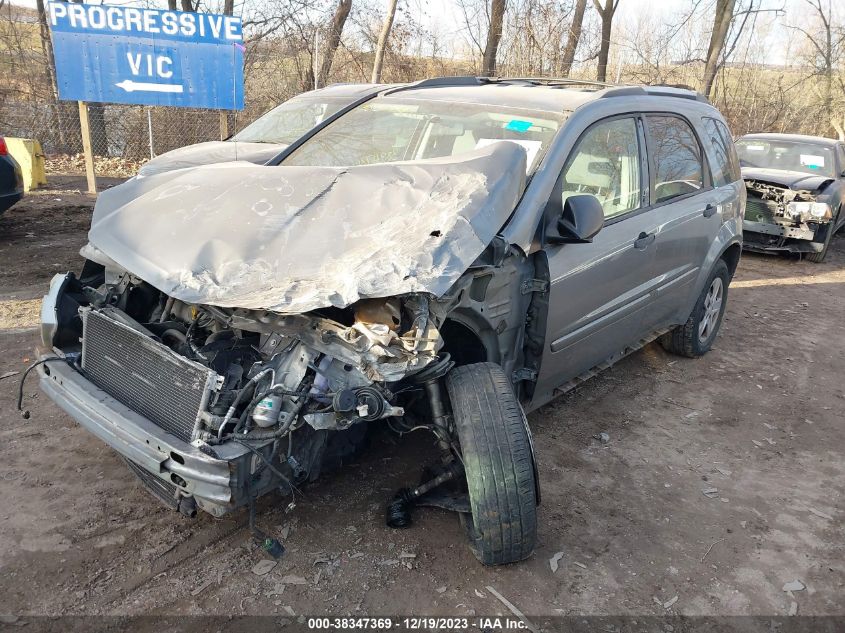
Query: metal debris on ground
(821, 514)
(668, 604)
(603, 437)
(710, 493)
(203, 587)
(794, 585)
(293, 580)
(553, 561)
(581, 565)
(513, 610)
(263, 567)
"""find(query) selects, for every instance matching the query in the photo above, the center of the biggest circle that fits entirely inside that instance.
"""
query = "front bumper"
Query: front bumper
(211, 481)
(796, 239)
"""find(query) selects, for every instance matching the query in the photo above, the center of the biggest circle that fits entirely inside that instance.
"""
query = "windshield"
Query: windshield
(807, 158)
(389, 130)
(286, 123)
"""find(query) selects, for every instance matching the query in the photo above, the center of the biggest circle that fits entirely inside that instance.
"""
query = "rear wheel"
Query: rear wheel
(695, 337)
(495, 445)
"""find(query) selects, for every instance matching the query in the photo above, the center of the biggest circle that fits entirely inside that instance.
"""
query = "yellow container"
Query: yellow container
(27, 152)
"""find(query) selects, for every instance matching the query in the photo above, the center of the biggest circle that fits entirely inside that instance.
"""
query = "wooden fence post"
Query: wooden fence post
(85, 128)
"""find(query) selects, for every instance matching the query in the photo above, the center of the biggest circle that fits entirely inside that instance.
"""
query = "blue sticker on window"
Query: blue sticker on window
(519, 126)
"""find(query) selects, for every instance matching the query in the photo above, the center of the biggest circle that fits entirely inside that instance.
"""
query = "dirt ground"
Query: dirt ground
(759, 419)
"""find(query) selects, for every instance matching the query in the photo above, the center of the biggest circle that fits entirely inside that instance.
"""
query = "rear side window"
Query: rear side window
(676, 157)
(720, 165)
(733, 157)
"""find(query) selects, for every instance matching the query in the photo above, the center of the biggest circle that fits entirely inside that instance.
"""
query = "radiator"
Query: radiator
(146, 376)
(759, 210)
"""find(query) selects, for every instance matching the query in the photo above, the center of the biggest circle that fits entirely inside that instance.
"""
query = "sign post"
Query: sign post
(116, 54)
(85, 129)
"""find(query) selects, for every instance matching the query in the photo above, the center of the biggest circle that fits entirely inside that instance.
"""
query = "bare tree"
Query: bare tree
(382, 41)
(187, 5)
(606, 12)
(494, 35)
(171, 5)
(827, 48)
(721, 24)
(228, 6)
(573, 38)
(338, 21)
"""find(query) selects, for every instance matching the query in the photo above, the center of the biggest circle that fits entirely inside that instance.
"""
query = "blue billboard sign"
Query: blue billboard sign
(148, 57)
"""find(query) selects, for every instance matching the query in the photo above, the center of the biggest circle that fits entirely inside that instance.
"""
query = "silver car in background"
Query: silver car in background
(269, 134)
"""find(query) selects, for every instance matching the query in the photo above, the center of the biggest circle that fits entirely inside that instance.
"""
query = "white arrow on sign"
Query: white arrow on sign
(134, 86)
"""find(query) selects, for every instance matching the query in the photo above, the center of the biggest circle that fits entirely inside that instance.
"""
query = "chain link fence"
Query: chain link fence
(126, 131)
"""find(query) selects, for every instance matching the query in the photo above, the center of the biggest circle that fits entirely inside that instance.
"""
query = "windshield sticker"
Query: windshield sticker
(519, 126)
(812, 161)
(531, 147)
(756, 148)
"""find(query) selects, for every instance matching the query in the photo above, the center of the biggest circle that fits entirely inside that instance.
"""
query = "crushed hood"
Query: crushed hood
(210, 153)
(795, 180)
(294, 239)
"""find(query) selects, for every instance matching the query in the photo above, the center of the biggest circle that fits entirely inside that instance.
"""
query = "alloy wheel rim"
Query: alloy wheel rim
(712, 310)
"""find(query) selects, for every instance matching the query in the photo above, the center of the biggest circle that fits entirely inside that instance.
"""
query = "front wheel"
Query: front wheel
(695, 337)
(495, 445)
(818, 257)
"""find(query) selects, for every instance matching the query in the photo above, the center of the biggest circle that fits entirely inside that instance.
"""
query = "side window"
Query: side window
(606, 164)
(676, 157)
(733, 158)
(720, 166)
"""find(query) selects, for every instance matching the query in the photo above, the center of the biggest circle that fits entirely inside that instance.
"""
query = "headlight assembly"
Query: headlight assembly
(809, 210)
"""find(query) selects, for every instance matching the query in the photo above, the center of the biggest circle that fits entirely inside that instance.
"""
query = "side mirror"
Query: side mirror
(581, 219)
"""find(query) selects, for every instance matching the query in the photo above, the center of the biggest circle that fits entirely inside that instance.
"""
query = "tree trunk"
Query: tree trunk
(382, 41)
(171, 5)
(494, 35)
(721, 24)
(187, 5)
(574, 37)
(606, 12)
(333, 41)
(228, 7)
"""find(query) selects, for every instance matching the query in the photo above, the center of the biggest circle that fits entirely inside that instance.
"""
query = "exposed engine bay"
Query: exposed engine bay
(277, 395)
(775, 215)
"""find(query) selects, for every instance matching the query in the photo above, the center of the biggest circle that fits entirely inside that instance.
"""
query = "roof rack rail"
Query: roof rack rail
(680, 92)
(556, 80)
(441, 82)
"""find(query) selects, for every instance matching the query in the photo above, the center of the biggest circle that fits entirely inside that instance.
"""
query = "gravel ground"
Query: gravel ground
(759, 419)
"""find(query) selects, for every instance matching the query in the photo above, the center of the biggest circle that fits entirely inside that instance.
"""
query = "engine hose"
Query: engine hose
(434, 370)
(25, 412)
(231, 412)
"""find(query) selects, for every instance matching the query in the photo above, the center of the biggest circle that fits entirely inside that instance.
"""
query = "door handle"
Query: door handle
(643, 240)
(709, 210)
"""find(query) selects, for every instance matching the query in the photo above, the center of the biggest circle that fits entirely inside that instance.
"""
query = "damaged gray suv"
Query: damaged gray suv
(444, 257)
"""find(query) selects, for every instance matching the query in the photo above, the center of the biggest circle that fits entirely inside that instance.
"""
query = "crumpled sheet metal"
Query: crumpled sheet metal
(294, 239)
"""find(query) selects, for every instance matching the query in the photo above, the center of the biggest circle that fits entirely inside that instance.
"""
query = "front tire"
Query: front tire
(818, 258)
(495, 445)
(695, 337)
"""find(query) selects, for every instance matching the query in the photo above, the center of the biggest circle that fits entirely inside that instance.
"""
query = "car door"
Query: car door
(689, 209)
(599, 290)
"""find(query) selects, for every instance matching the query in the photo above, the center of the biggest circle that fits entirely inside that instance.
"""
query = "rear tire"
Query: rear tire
(695, 337)
(496, 447)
